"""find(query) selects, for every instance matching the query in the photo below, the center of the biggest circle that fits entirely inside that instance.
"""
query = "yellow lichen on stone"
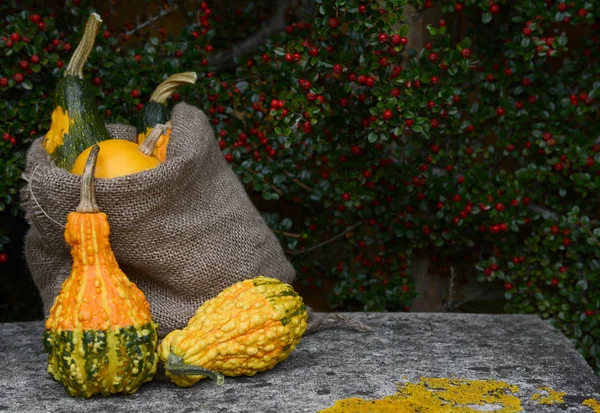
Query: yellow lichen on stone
(593, 404)
(433, 395)
(548, 396)
(58, 129)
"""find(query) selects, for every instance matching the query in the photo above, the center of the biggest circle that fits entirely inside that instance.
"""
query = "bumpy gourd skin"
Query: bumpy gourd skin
(100, 335)
(248, 328)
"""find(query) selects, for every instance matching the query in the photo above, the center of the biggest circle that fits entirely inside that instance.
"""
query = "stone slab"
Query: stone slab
(332, 365)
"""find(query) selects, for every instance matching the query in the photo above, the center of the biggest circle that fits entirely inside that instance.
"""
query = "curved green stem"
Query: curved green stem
(177, 367)
(169, 86)
(75, 66)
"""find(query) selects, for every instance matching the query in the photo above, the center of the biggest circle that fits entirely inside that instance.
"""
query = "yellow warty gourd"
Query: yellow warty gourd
(248, 328)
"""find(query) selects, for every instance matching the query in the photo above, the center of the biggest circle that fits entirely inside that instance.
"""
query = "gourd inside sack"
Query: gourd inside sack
(155, 111)
(76, 123)
(119, 157)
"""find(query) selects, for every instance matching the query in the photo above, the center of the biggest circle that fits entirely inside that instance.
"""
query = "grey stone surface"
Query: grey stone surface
(331, 365)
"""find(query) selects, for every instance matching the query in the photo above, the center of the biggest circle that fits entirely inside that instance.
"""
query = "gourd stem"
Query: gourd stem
(147, 147)
(75, 66)
(177, 367)
(169, 86)
(87, 202)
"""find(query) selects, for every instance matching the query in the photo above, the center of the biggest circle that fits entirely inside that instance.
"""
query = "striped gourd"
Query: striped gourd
(99, 336)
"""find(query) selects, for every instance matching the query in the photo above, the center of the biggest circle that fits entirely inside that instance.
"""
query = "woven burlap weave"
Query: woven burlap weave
(182, 232)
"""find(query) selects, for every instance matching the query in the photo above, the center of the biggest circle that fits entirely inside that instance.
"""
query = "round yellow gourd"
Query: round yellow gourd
(119, 157)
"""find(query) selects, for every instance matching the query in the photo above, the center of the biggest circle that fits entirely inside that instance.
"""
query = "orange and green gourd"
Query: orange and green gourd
(155, 111)
(76, 123)
(119, 157)
(99, 336)
(248, 328)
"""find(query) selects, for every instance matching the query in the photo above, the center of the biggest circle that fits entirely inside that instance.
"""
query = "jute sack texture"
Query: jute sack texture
(182, 232)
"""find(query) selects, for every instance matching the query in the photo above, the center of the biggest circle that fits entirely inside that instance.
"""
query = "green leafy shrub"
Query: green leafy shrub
(479, 143)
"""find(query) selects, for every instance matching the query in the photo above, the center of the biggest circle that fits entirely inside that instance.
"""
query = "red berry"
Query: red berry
(589, 161)
(395, 39)
(403, 41)
(527, 31)
(582, 12)
(106, 34)
(178, 53)
(18, 77)
(35, 59)
(42, 26)
(382, 38)
(562, 6)
(97, 81)
(500, 111)
(60, 64)
(333, 22)
(487, 271)
(229, 157)
(3, 81)
(433, 57)
(494, 9)
(499, 207)
(465, 53)
(35, 18)
(508, 285)
(494, 267)
(589, 313)
(387, 115)
(15, 37)
(566, 242)
(3, 257)
(362, 9)
(135, 93)
(458, 7)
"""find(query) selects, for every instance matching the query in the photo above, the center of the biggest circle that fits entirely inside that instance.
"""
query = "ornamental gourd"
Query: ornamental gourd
(155, 111)
(119, 157)
(99, 336)
(248, 328)
(76, 123)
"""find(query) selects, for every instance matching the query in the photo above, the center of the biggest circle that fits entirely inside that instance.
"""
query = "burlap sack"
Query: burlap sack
(182, 232)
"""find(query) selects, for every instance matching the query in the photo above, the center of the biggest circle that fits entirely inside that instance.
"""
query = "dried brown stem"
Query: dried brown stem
(327, 241)
(275, 23)
(87, 202)
(75, 66)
